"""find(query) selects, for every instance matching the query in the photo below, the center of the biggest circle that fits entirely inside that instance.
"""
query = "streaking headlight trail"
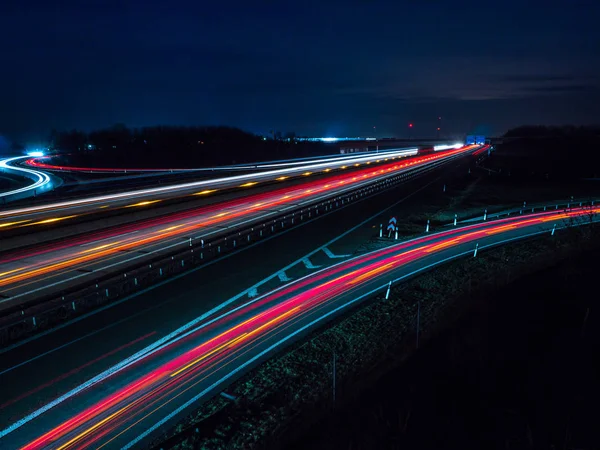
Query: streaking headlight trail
(41, 180)
(126, 403)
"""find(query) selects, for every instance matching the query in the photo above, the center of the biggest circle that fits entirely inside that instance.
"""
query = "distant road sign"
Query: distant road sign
(475, 139)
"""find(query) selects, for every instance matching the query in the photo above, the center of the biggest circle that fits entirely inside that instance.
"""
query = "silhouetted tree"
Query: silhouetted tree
(173, 146)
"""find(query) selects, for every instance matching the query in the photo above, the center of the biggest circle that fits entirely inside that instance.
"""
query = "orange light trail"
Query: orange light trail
(272, 313)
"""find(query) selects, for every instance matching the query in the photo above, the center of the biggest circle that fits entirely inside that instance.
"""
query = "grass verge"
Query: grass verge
(284, 397)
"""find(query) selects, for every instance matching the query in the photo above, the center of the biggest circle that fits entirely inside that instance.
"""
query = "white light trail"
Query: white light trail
(40, 178)
(216, 182)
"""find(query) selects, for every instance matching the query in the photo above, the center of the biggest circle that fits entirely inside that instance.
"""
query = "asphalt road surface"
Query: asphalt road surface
(126, 404)
(51, 268)
(274, 172)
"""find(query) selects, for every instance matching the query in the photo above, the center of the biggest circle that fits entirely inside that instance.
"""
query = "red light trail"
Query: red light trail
(218, 346)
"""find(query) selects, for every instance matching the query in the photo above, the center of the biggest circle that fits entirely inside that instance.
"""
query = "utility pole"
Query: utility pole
(376, 140)
(439, 127)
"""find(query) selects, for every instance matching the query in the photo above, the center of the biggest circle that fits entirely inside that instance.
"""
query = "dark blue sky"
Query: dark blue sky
(313, 67)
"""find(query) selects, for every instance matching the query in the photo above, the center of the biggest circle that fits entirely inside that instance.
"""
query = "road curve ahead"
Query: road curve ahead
(126, 405)
(39, 180)
(263, 173)
(46, 269)
(279, 164)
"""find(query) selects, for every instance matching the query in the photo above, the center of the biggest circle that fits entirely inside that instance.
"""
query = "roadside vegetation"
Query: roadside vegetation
(518, 370)
(176, 147)
(286, 398)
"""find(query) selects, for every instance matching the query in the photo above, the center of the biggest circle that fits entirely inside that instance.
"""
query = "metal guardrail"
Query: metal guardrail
(537, 207)
(28, 318)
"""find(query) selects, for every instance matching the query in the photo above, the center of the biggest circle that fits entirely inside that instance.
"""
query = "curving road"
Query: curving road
(335, 158)
(265, 173)
(40, 181)
(45, 269)
(127, 404)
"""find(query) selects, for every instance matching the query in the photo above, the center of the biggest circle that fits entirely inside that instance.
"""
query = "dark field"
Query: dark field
(520, 371)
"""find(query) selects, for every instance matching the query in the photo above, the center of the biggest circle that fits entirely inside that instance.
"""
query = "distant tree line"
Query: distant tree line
(173, 146)
(554, 131)
(554, 152)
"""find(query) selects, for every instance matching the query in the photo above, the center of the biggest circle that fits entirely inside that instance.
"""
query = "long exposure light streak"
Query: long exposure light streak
(40, 179)
(340, 158)
(46, 261)
(210, 353)
(190, 187)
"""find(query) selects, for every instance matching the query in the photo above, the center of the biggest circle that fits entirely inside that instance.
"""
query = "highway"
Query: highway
(37, 162)
(46, 268)
(127, 404)
(274, 172)
(39, 180)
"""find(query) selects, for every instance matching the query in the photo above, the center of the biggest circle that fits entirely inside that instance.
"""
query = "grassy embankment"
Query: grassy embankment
(287, 395)
(519, 370)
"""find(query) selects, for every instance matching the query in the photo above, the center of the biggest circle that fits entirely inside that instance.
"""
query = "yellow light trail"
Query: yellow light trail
(45, 221)
(206, 355)
(442, 245)
(11, 271)
(174, 227)
(144, 203)
(99, 247)
(251, 183)
(371, 273)
(206, 192)
(96, 426)
(10, 224)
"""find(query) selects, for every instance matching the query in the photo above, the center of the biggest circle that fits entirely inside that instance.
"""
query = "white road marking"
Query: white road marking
(283, 277)
(308, 264)
(330, 254)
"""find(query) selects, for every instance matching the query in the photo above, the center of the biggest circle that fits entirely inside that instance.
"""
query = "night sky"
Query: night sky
(312, 67)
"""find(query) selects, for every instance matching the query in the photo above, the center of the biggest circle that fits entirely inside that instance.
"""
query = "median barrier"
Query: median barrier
(49, 311)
